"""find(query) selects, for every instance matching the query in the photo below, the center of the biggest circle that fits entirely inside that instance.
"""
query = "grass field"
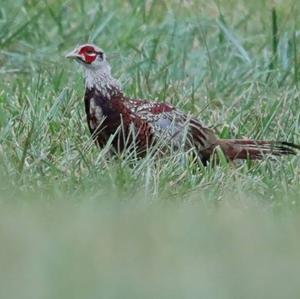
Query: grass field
(75, 223)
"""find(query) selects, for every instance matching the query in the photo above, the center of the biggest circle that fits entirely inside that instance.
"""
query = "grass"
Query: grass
(134, 251)
(164, 228)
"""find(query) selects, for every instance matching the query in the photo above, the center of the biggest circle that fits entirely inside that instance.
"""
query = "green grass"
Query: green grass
(137, 251)
(166, 228)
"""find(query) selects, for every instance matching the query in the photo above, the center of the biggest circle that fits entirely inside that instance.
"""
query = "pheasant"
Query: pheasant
(141, 124)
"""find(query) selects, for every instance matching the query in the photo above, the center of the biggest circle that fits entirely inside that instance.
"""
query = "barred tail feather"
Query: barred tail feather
(256, 149)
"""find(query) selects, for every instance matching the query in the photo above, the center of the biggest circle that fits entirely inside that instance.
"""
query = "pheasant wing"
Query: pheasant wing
(172, 126)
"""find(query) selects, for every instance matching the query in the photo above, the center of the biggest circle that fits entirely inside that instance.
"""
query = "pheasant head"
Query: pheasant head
(97, 69)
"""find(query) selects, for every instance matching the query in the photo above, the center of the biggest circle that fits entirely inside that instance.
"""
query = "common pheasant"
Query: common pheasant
(142, 124)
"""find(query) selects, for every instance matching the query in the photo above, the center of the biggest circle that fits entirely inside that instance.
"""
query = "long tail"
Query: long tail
(255, 149)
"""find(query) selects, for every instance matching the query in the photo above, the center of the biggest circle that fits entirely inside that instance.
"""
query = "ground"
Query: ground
(77, 223)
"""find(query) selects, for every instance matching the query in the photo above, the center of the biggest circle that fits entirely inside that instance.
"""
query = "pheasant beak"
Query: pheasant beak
(73, 54)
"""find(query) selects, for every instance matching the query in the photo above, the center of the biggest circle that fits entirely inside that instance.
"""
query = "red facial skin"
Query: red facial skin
(89, 54)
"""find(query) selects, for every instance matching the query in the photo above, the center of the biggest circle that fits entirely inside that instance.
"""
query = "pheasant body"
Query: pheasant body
(142, 124)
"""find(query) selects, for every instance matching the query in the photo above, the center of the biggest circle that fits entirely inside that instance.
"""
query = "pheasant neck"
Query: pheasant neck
(104, 83)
